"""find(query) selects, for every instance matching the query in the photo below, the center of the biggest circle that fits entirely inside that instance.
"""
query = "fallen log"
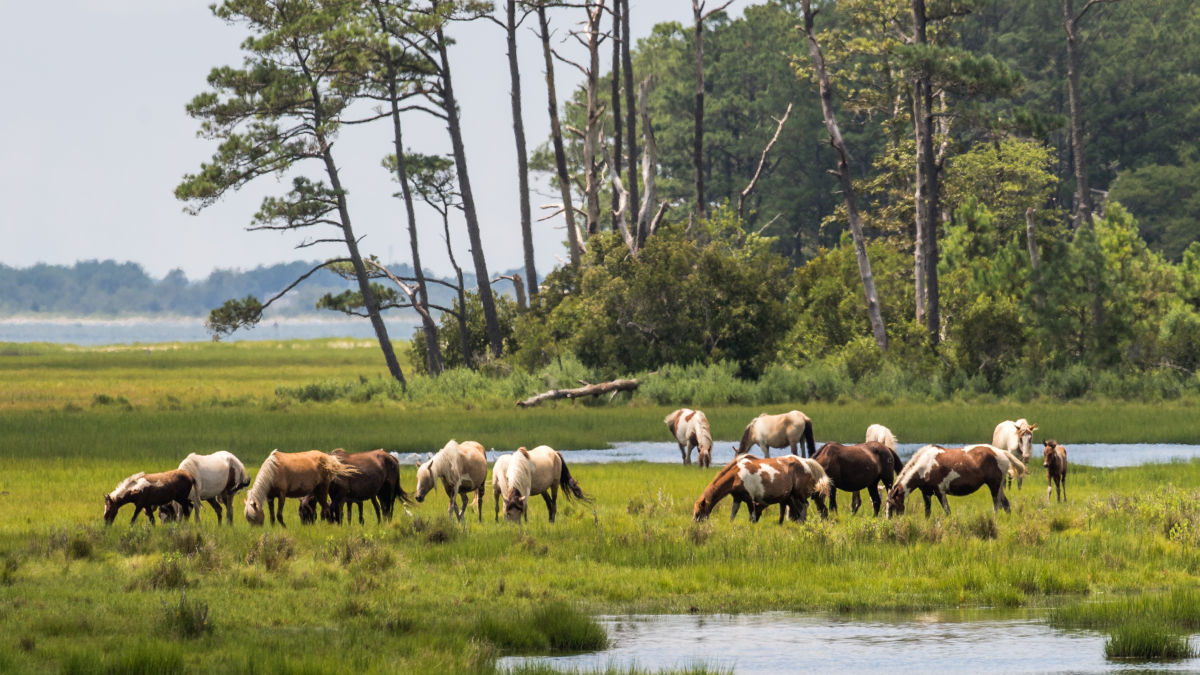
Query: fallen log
(611, 388)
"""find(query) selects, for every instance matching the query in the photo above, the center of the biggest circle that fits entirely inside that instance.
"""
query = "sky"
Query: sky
(94, 137)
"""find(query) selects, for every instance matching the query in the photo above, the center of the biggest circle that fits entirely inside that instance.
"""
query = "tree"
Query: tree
(560, 157)
(698, 18)
(274, 115)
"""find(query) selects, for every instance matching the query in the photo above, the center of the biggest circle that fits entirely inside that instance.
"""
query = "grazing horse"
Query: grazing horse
(787, 481)
(777, 431)
(376, 478)
(690, 428)
(218, 477)
(525, 473)
(939, 471)
(462, 469)
(148, 491)
(292, 474)
(1015, 437)
(1055, 460)
(855, 467)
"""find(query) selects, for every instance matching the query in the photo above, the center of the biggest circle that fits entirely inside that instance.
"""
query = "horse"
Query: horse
(855, 467)
(1054, 458)
(218, 477)
(788, 481)
(777, 431)
(146, 491)
(292, 474)
(525, 473)
(377, 478)
(462, 469)
(690, 428)
(1013, 437)
(939, 471)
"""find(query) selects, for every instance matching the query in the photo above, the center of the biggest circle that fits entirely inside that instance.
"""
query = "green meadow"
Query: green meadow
(423, 592)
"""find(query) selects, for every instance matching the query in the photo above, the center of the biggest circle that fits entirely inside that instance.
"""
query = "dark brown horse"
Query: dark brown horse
(148, 491)
(857, 467)
(1055, 460)
(938, 471)
(789, 481)
(377, 479)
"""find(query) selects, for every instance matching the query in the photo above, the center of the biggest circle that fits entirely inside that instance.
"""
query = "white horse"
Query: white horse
(690, 428)
(881, 434)
(778, 431)
(1015, 437)
(520, 475)
(218, 477)
(462, 468)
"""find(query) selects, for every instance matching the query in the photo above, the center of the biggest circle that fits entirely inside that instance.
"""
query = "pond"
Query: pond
(981, 641)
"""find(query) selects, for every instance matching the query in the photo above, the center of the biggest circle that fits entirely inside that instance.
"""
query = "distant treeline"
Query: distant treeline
(110, 288)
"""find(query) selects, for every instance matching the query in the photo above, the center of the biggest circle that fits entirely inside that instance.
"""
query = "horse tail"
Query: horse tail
(823, 484)
(704, 435)
(808, 438)
(336, 468)
(744, 445)
(393, 478)
(897, 463)
(569, 484)
(1016, 466)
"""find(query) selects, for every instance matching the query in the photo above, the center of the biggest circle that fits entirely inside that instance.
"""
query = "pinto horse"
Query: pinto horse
(855, 467)
(1054, 458)
(939, 471)
(462, 469)
(525, 473)
(690, 428)
(787, 481)
(148, 491)
(292, 474)
(376, 479)
(1015, 437)
(218, 477)
(777, 431)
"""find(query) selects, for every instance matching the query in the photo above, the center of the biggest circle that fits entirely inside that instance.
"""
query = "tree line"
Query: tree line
(971, 188)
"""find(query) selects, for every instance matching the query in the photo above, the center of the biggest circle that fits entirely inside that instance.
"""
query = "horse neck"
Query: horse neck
(445, 464)
(263, 481)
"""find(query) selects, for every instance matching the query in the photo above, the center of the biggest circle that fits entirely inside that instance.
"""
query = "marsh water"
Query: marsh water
(977, 641)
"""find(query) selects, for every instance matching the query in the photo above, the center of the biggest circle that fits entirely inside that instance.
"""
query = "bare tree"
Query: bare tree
(560, 155)
(699, 16)
(928, 189)
(630, 113)
(1083, 195)
(843, 172)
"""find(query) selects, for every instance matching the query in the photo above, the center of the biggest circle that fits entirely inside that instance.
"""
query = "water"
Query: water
(978, 641)
(91, 332)
(1108, 455)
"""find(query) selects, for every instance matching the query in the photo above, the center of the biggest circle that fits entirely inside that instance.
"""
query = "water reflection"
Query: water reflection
(978, 641)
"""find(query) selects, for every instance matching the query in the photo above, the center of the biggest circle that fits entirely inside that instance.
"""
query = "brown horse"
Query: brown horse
(690, 429)
(939, 471)
(147, 492)
(1054, 457)
(376, 478)
(777, 431)
(292, 474)
(855, 467)
(787, 481)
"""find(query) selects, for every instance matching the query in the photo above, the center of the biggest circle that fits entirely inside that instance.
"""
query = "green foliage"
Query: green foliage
(187, 619)
(450, 335)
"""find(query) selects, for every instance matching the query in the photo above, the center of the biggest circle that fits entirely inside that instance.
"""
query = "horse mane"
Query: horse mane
(918, 461)
(823, 484)
(444, 464)
(264, 479)
(519, 474)
(124, 486)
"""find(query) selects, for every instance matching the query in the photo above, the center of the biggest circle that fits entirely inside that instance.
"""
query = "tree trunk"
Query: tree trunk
(630, 110)
(615, 94)
(1083, 196)
(611, 388)
(698, 109)
(922, 224)
(560, 155)
(928, 209)
(514, 73)
(464, 336)
(482, 279)
(591, 130)
(848, 194)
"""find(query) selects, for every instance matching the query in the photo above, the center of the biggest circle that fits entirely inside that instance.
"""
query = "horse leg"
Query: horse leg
(945, 502)
(281, 502)
(150, 515)
(925, 495)
(733, 511)
(228, 497)
(855, 503)
(1063, 481)
(479, 502)
(792, 445)
(873, 493)
(686, 452)
(1049, 486)
(551, 501)
(833, 501)
(453, 503)
(820, 502)
(496, 494)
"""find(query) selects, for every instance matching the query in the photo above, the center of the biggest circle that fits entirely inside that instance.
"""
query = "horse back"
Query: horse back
(546, 469)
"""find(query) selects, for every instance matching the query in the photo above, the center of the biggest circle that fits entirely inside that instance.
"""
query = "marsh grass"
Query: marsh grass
(1146, 642)
(188, 619)
(553, 627)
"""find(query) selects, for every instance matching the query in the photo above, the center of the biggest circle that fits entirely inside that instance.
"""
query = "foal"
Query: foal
(1055, 461)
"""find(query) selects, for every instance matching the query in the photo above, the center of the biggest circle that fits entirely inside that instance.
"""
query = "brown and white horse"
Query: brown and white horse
(218, 477)
(777, 431)
(938, 471)
(462, 469)
(690, 428)
(787, 481)
(1054, 457)
(292, 474)
(856, 467)
(525, 473)
(1015, 437)
(148, 491)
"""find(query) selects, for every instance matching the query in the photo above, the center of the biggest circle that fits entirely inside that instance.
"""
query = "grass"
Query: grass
(425, 593)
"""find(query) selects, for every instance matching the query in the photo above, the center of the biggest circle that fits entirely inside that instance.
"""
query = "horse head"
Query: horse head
(514, 506)
(895, 501)
(253, 511)
(308, 510)
(425, 481)
(110, 510)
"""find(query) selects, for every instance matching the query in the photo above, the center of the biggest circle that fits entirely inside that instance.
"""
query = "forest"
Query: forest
(915, 196)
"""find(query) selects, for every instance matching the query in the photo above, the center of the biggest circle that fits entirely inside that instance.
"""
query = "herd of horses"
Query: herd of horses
(328, 485)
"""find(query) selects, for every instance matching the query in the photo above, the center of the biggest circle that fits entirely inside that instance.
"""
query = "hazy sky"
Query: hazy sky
(95, 138)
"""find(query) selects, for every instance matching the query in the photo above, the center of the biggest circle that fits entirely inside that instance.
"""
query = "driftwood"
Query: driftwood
(611, 388)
